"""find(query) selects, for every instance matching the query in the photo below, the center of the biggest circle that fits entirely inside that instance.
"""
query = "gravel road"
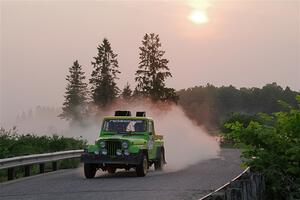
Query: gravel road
(193, 182)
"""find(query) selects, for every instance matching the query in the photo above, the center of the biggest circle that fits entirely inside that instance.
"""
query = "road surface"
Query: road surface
(191, 183)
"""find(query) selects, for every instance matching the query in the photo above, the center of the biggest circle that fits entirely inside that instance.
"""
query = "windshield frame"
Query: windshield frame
(105, 121)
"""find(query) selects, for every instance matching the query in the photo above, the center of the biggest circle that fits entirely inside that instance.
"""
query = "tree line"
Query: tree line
(102, 90)
(211, 106)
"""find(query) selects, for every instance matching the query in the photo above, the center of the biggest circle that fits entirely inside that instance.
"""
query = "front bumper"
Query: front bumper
(132, 159)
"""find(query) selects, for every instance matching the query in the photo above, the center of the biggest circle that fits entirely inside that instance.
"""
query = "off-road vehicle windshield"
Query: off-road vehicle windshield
(124, 126)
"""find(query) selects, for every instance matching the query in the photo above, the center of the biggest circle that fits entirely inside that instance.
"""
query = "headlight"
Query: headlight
(119, 152)
(102, 144)
(125, 145)
(104, 151)
(126, 152)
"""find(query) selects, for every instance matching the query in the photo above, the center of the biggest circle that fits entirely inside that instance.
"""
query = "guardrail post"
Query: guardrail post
(42, 168)
(27, 170)
(54, 166)
(11, 174)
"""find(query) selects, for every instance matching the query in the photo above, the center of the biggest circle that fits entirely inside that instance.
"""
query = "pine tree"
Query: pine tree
(127, 92)
(104, 88)
(75, 95)
(153, 70)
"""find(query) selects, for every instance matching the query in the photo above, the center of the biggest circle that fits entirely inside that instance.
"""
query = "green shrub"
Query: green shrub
(242, 118)
(272, 146)
(13, 144)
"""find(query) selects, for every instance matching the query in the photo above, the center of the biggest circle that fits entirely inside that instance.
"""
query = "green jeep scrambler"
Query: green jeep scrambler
(125, 142)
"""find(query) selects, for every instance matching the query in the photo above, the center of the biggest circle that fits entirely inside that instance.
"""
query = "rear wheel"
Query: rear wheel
(89, 170)
(142, 168)
(159, 164)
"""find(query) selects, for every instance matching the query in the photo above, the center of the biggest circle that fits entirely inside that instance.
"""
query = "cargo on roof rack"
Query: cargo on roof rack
(122, 113)
(141, 114)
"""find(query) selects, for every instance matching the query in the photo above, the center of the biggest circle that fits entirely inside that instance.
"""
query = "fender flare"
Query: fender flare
(160, 150)
(142, 152)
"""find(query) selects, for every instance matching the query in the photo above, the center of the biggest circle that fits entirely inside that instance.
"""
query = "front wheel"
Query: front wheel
(89, 170)
(142, 168)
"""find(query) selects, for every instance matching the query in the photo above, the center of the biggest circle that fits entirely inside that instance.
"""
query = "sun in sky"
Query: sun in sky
(199, 11)
(198, 17)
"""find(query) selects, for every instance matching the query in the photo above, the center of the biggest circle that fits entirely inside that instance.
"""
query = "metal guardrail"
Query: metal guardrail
(225, 185)
(246, 186)
(41, 159)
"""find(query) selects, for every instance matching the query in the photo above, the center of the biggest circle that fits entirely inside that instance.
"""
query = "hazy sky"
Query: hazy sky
(243, 43)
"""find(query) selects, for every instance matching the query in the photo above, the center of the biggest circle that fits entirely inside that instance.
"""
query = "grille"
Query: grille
(112, 147)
